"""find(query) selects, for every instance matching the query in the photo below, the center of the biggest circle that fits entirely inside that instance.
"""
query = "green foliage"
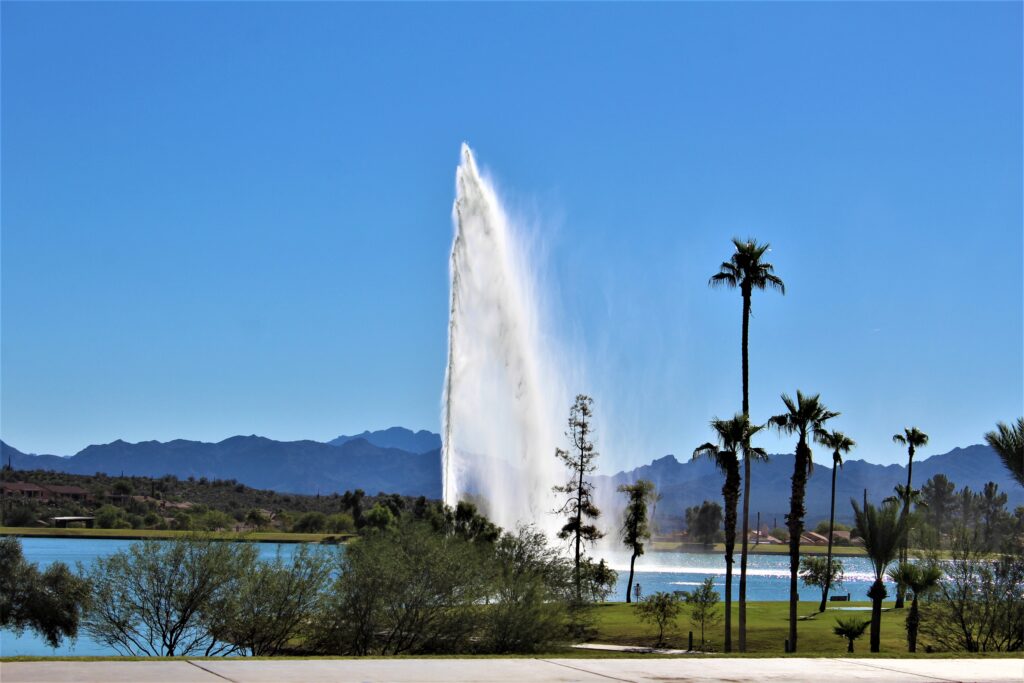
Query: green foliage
(341, 523)
(850, 628)
(379, 518)
(703, 603)
(49, 603)
(814, 571)
(703, 521)
(310, 523)
(110, 517)
(1008, 442)
(579, 505)
(157, 597)
(822, 527)
(598, 580)
(21, 514)
(531, 584)
(882, 530)
(979, 605)
(273, 603)
(660, 609)
(213, 520)
(636, 526)
(409, 591)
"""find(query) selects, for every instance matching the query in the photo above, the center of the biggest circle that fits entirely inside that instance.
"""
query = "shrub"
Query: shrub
(660, 609)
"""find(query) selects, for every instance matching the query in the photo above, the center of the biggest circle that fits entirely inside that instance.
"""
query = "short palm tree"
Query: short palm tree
(746, 271)
(919, 579)
(1008, 442)
(806, 418)
(733, 441)
(850, 628)
(839, 443)
(912, 438)
(882, 530)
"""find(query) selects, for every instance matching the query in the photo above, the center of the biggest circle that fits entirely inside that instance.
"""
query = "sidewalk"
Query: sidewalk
(514, 670)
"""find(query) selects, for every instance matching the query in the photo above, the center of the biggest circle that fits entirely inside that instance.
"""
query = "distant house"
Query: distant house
(68, 492)
(22, 489)
(763, 537)
(813, 538)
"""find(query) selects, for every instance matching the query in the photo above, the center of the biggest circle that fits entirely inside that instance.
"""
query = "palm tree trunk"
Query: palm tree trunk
(876, 593)
(743, 555)
(913, 621)
(849, 648)
(730, 492)
(901, 588)
(629, 584)
(795, 522)
(831, 527)
(746, 472)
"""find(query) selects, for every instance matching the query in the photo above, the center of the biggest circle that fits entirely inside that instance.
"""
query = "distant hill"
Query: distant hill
(293, 466)
(391, 461)
(397, 437)
(684, 484)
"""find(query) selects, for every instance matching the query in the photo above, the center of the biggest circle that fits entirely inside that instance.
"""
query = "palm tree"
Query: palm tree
(635, 525)
(839, 443)
(1008, 442)
(912, 438)
(733, 440)
(806, 418)
(882, 530)
(746, 271)
(850, 628)
(919, 579)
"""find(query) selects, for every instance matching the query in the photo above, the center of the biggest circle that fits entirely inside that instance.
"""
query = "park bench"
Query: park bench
(839, 598)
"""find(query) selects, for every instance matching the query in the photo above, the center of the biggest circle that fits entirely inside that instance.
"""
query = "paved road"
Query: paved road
(514, 670)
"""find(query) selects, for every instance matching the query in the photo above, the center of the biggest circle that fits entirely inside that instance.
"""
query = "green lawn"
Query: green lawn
(135, 534)
(767, 629)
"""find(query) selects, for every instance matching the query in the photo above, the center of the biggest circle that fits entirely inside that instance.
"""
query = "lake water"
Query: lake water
(767, 579)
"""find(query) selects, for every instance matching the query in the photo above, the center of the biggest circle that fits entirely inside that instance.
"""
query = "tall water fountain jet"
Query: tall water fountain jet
(502, 396)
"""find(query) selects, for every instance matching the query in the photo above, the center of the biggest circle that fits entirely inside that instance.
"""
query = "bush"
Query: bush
(405, 591)
(21, 515)
(110, 517)
(311, 523)
(660, 609)
(49, 602)
(341, 523)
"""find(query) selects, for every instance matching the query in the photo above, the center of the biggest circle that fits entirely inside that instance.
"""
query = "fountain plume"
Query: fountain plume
(502, 393)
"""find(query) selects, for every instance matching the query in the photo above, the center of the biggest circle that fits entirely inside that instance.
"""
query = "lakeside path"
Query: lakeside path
(697, 669)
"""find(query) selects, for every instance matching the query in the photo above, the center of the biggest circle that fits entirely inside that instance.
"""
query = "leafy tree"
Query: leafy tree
(937, 495)
(745, 270)
(155, 597)
(979, 605)
(882, 530)
(913, 438)
(1008, 442)
(703, 521)
(703, 604)
(822, 572)
(110, 517)
(806, 418)
(531, 584)
(341, 523)
(274, 602)
(840, 444)
(850, 628)
(50, 602)
(733, 438)
(311, 523)
(579, 507)
(598, 580)
(660, 609)
(920, 579)
(994, 518)
(257, 518)
(379, 518)
(635, 525)
(411, 591)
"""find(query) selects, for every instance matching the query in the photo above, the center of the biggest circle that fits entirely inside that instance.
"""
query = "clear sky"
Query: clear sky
(235, 218)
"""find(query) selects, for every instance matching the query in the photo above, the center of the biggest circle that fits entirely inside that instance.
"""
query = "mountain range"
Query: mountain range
(398, 460)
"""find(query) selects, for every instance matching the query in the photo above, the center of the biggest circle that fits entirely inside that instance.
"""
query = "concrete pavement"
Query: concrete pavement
(638, 670)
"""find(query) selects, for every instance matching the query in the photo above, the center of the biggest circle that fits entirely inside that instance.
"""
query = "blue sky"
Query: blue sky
(235, 218)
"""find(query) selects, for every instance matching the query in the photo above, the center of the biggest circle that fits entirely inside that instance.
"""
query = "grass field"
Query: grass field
(767, 629)
(136, 534)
